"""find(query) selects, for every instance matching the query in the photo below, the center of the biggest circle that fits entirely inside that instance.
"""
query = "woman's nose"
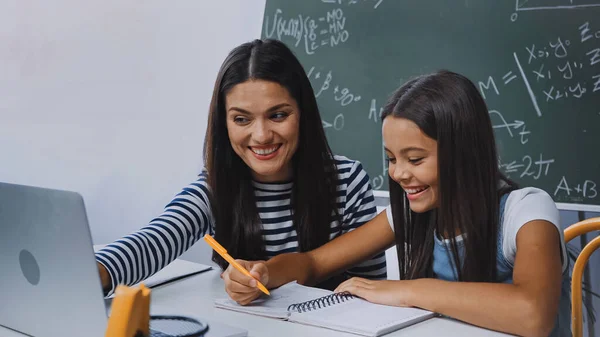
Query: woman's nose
(262, 133)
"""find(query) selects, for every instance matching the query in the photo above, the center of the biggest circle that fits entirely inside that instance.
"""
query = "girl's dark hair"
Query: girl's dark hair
(448, 108)
(233, 203)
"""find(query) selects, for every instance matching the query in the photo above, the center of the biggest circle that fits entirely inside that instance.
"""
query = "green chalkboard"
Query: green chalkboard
(537, 63)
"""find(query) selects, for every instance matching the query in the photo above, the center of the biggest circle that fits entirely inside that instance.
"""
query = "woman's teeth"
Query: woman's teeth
(264, 152)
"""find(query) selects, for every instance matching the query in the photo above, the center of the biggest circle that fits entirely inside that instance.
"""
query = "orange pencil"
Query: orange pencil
(223, 252)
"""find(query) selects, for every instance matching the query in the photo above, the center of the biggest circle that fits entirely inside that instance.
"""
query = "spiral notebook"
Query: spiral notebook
(322, 308)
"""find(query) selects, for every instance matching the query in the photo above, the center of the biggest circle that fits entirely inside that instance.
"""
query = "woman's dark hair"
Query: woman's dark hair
(237, 223)
(448, 108)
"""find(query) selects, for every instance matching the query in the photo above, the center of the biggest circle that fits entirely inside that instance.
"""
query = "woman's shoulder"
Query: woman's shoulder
(351, 174)
(344, 164)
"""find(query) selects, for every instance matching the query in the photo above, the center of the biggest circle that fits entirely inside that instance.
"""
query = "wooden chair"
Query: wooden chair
(579, 228)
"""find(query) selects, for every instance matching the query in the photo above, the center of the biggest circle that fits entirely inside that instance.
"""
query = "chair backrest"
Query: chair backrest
(579, 228)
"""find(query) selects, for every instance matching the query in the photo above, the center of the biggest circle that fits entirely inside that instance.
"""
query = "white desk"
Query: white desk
(195, 295)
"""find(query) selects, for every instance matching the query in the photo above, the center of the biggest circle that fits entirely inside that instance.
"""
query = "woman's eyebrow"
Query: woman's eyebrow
(271, 109)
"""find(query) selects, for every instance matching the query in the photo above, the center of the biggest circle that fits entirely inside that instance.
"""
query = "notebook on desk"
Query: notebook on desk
(322, 308)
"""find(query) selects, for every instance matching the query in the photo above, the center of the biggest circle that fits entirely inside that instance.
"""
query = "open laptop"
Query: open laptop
(49, 281)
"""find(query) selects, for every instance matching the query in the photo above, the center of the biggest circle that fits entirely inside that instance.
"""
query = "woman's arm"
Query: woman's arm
(139, 255)
(314, 266)
(528, 307)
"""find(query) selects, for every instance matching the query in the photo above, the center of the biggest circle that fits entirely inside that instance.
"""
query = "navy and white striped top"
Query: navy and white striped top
(188, 217)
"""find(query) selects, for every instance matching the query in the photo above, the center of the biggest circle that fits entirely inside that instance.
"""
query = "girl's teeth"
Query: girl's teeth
(413, 191)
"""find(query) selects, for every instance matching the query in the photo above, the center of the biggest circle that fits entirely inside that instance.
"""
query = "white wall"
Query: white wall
(109, 98)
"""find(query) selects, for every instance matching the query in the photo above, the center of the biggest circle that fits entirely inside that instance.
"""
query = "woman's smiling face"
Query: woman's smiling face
(263, 124)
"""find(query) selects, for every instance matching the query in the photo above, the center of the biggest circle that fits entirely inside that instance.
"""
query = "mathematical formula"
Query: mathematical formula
(324, 31)
(557, 70)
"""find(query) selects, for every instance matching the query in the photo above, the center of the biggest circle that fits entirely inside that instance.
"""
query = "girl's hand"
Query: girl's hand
(242, 288)
(381, 292)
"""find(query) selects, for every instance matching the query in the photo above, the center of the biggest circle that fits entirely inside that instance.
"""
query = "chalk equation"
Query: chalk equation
(513, 128)
(327, 30)
(527, 166)
(342, 95)
(577, 191)
(542, 84)
(549, 72)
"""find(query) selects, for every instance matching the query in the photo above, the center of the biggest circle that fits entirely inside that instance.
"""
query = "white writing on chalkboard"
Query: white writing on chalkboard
(327, 30)
(594, 56)
(375, 115)
(490, 83)
(550, 73)
(587, 189)
(567, 70)
(515, 126)
(562, 80)
(586, 32)
(541, 5)
(343, 95)
(597, 82)
(338, 122)
(550, 70)
(527, 167)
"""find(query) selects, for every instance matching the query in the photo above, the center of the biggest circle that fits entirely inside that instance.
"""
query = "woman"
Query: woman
(449, 206)
(271, 183)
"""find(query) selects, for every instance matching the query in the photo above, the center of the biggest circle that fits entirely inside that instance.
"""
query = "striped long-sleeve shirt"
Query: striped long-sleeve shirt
(188, 217)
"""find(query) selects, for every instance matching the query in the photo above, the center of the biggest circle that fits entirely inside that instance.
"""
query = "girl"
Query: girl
(449, 206)
(271, 183)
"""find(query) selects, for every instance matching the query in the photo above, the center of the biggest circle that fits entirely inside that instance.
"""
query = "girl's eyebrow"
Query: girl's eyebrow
(407, 149)
(411, 148)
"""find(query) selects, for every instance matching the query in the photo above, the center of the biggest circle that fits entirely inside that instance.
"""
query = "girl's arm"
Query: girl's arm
(528, 307)
(333, 257)
(314, 266)
(359, 209)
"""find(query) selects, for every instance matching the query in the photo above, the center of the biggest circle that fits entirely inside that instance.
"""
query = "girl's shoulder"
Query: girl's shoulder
(522, 206)
(521, 199)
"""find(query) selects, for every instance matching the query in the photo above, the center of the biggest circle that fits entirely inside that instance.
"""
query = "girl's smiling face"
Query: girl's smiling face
(413, 162)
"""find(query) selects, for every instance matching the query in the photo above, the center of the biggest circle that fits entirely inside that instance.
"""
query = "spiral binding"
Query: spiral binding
(321, 302)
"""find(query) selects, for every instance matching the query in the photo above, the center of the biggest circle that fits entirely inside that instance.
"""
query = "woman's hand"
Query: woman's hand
(241, 288)
(381, 292)
(104, 277)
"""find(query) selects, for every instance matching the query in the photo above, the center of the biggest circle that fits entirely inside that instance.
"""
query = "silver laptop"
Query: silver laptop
(49, 281)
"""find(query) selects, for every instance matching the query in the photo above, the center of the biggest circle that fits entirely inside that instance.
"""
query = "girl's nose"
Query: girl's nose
(400, 173)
